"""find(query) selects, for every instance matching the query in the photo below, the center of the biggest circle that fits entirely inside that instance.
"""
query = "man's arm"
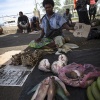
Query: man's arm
(65, 26)
(70, 18)
(41, 36)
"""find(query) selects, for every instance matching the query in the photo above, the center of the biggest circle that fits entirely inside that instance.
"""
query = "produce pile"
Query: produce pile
(93, 91)
(75, 75)
(28, 58)
(45, 65)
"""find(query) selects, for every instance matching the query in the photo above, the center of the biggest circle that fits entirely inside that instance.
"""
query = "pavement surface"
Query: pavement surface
(20, 42)
(13, 42)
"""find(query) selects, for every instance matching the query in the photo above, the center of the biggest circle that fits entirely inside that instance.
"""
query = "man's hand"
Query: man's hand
(72, 31)
(38, 40)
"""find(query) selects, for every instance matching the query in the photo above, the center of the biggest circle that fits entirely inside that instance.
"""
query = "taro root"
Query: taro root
(27, 58)
(16, 60)
(44, 65)
(63, 59)
(56, 66)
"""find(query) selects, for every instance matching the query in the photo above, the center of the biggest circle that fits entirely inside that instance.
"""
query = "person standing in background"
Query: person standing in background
(81, 7)
(92, 9)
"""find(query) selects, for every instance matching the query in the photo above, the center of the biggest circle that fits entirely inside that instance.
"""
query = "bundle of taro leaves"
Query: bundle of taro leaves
(48, 88)
(28, 58)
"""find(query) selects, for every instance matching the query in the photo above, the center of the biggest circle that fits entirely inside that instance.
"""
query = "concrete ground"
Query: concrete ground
(13, 42)
(20, 42)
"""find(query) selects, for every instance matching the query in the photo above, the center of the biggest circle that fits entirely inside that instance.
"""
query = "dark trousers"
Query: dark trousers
(83, 17)
(92, 11)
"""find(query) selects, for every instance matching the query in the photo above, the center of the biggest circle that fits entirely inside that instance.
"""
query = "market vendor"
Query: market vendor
(52, 23)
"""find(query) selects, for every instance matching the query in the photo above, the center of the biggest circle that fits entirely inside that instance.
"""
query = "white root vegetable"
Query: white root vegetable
(56, 66)
(63, 59)
(44, 65)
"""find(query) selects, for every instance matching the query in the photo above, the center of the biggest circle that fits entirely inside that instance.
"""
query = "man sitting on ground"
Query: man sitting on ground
(67, 15)
(23, 23)
(34, 23)
(52, 23)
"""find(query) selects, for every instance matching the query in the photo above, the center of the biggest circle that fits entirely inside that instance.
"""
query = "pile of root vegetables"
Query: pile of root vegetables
(26, 58)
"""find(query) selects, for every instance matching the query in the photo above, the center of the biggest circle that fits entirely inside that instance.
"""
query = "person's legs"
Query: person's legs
(37, 25)
(25, 28)
(94, 12)
(33, 26)
(90, 17)
(93, 16)
(84, 17)
(20, 28)
(79, 16)
(28, 28)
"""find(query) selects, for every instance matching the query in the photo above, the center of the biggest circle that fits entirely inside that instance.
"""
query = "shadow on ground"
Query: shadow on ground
(16, 39)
